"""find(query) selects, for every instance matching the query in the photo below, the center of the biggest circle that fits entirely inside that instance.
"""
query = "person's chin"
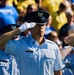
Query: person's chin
(41, 35)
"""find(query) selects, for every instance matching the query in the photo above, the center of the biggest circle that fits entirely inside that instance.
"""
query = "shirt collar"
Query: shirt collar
(33, 41)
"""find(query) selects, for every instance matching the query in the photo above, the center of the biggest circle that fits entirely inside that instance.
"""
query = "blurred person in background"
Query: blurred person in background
(68, 61)
(53, 36)
(25, 3)
(5, 20)
(49, 28)
(31, 8)
(10, 2)
(11, 27)
(8, 63)
(13, 3)
(59, 17)
(68, 5)
(69, 64)
(66, 34)
(72, 4)
(51, 5)
(67, 28)
(9, 10)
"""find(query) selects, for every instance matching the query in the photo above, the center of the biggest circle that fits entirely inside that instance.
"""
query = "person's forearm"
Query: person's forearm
(70, 40)
(7, 36)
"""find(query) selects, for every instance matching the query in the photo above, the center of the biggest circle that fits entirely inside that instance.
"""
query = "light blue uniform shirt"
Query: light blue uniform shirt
(34, 59)
(69, 68)
(8, 64)
(10, 10)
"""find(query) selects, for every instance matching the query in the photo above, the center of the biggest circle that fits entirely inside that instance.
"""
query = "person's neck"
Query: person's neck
(39, 39)
(59, 12)
(47, 26)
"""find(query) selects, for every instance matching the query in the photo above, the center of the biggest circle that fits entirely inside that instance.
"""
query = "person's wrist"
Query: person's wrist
(20, 28)
(23, 28)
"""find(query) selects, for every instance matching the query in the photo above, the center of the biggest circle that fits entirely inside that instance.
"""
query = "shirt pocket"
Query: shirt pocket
(48, 59)
(49, 54)
(29, 59)
(28, 54)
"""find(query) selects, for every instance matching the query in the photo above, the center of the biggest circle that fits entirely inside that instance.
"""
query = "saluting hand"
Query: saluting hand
(26, 26)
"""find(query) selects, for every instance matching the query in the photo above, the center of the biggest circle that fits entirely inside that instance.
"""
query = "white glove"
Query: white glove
(26, 26)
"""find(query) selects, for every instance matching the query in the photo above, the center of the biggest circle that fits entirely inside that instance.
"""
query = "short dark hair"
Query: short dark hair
(62, 5)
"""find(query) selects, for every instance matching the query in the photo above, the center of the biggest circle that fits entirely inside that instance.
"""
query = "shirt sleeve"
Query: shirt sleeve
(13, 47)
(59, 64)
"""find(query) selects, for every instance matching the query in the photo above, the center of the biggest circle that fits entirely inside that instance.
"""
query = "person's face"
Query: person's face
(49, 21)
(70, 17)
(62, 10)
(32, 8)
(53, 36)
(38, 30)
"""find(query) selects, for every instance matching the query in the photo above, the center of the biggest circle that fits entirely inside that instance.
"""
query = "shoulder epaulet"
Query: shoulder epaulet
(49, 41)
